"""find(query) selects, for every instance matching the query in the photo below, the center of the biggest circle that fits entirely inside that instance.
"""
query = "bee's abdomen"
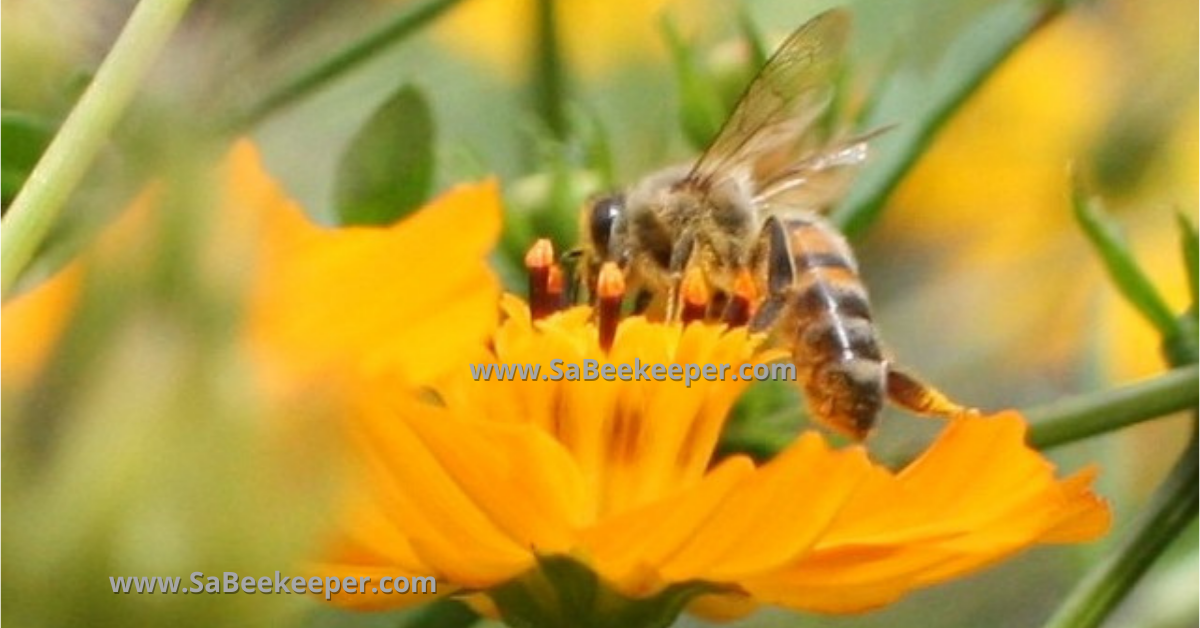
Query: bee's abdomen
(829, 304)
(834, 344)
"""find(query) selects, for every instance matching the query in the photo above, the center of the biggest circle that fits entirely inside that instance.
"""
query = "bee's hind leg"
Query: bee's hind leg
(910, 393)
(772, 258)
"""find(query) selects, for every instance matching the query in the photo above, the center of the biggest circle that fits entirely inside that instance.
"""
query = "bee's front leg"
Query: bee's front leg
(681, 257)
(576, 263)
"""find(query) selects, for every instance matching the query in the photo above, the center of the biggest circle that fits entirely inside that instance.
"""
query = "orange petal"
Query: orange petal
(626, 547)
(444, 526)
(520, 477)
(412, 297)
(776, 514)
(34, 321)
(977, 495)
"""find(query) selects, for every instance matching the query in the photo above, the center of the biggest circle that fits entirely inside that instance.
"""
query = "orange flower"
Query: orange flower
(475, 488)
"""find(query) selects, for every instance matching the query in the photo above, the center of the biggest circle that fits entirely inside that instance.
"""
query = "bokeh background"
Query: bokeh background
(132, 446)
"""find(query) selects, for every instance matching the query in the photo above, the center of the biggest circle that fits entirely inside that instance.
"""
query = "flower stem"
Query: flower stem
(83, 133)
(335, 65)
(1076, 418)
(1170, 512)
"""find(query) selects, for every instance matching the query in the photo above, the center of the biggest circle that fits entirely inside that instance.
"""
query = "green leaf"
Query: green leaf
(562, 592)
(387, 171)
(25, 138)
(1109, 242)
(763, 421)
(701, 112)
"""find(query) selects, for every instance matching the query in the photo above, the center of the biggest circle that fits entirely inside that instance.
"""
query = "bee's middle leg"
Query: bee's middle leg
(772, 257)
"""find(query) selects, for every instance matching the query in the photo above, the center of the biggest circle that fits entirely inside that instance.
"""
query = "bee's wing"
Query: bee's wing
(817, 180)
(781, 103)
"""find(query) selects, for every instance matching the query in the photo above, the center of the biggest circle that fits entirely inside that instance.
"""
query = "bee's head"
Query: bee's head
(599, 222)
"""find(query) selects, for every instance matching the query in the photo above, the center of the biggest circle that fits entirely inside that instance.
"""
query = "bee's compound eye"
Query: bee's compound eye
(605, 212)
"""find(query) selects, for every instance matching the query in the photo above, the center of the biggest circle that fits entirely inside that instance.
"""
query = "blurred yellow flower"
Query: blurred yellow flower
(992, 195)
(472, 488)
(435, 284)
(595, 35)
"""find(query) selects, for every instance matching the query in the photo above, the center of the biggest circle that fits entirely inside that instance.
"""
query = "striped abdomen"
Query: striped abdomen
(828, 320)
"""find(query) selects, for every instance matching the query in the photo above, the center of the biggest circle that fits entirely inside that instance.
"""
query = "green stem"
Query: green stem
(549, 86)
(1057, 423)
(1076, 418)
(1170, 512)
(84, 132)
(340, 62)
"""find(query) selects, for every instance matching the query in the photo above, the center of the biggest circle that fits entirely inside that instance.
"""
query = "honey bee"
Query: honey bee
(752, 205)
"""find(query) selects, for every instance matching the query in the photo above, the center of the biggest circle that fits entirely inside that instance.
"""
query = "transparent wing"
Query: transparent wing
(817, 180)
(781, 103)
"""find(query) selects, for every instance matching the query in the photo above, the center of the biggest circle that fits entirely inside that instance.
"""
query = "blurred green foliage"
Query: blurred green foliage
(26, 136)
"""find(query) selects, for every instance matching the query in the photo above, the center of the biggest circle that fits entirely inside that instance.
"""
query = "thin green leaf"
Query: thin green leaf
(1133, 284)
(701, 112)
(921, 99)
(408, 22)
(1190, 243)
(387, 171)
(25, 138)
(759, 52)
(549, 73)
